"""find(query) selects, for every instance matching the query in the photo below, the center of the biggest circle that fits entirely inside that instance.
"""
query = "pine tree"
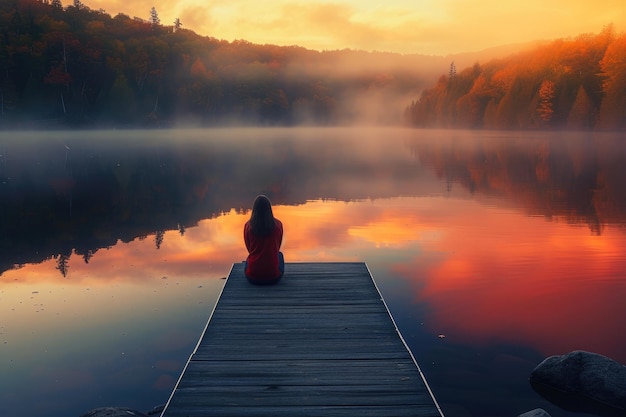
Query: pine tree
(154, 17)
(452, 73)
(546, 101)
(177, 24)
(582, 114)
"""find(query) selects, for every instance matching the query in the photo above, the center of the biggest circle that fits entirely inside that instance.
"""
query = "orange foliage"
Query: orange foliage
(613, 65)
(561, 84)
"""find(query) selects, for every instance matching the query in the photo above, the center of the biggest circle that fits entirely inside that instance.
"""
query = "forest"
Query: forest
(575, 84)
(78, 67)
(81, 67)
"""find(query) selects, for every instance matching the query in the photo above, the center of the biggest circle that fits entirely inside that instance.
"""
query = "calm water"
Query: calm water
(114, 246)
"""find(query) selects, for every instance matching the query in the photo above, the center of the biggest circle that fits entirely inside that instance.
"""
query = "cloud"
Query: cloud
(429, 27)
(197, 17)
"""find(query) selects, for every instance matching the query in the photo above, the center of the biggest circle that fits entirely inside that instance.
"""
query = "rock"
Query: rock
(582, 381)
(156, 410)
(113, 412)
(537, 412)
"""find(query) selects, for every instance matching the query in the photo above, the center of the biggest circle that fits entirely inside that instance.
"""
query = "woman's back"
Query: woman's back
(263, 235)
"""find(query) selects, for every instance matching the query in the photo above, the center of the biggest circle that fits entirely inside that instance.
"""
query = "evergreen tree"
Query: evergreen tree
(63, 263)
(154, 17)
(452, 73)
(582, 114)
(546, 101)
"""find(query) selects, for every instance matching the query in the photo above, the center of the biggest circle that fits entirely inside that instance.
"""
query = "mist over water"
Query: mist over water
(113, 246)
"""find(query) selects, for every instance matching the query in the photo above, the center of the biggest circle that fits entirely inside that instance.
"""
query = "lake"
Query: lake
(493, 250)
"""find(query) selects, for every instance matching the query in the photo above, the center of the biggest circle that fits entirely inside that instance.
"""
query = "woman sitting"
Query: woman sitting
(263, 235)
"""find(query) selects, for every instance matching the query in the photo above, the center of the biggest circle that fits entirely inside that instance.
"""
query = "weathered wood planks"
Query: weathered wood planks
(320, 343)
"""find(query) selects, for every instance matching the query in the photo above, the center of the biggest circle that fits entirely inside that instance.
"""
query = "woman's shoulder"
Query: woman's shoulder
(278, 223)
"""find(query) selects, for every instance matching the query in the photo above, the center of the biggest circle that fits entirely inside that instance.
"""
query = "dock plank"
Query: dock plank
(319, 343)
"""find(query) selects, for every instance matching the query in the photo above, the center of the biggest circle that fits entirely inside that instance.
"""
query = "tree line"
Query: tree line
(577, 83)
(78, 66)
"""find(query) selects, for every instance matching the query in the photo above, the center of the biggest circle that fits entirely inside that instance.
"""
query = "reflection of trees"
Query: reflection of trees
(63, 260)
(111, 190)
(577, 179)
(158, 238)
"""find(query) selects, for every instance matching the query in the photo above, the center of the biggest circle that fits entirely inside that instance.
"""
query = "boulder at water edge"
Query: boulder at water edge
(537, 412)
(582, 381)
(113, 412)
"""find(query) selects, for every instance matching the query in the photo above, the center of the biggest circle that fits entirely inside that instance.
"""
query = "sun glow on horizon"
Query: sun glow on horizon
(425, 27)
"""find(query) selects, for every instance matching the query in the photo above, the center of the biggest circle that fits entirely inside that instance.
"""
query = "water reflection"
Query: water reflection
(511, 247)
(575, 177)
(81, 191)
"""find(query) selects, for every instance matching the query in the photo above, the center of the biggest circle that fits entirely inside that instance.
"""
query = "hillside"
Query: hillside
(577, 83)
(82, 67)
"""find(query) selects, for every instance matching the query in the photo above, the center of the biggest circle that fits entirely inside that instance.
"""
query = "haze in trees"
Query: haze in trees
(82, 67)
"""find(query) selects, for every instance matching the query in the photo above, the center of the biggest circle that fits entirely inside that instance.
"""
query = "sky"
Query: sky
(432, 27)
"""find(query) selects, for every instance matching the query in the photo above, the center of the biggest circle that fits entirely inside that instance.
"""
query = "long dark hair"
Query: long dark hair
(262, 219)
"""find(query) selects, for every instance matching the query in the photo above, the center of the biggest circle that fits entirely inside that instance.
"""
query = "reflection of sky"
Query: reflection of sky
(130, 318)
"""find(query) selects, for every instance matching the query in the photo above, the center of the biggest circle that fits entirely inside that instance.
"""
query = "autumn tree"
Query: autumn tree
(613, 65)
(452, 72)
(583, 113)
(545, 109)
(560, 84)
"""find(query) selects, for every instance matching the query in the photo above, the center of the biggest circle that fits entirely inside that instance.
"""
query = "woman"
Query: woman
(263, 235)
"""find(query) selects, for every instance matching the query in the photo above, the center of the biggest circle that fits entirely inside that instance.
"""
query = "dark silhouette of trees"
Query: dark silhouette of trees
(158, 238)
(154, 18)
(577, 83)
(78, 66)
(63, 263)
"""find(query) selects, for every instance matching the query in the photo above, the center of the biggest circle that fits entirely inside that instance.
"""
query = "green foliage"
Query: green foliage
(575, 84)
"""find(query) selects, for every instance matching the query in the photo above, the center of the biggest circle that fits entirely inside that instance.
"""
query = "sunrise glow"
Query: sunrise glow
(424, 27)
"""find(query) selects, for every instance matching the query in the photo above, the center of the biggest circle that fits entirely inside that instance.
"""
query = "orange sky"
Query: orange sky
(406, 26)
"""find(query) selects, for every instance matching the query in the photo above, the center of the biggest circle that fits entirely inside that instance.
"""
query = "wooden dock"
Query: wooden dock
(319, 343)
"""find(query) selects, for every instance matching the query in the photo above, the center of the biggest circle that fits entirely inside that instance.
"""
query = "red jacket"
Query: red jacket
(263, 252)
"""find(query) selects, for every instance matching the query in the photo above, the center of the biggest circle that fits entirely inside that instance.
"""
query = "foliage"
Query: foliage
(575, 83)
(79, 66)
